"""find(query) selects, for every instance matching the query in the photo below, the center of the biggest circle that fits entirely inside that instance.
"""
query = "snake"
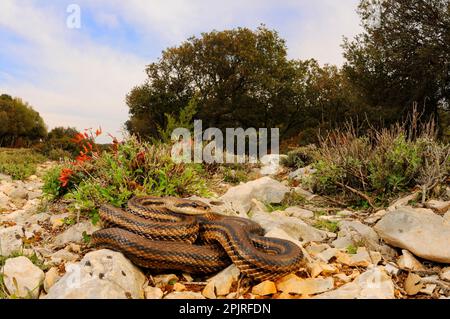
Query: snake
(169, 233)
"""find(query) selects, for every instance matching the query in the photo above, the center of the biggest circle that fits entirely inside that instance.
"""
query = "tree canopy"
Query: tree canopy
(20, 124)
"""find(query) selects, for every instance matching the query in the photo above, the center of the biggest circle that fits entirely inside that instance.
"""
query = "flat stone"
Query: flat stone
(22, 278)
(265, 288)
(75, 233)
(101, 274)
(225, 279)
(299, 212)
(438, 205)
(310, 286)
(372, 284)
(422, 232)
(265, 189)
(360, 259)
(63, 255)
(153, 293)
(413, 284)
(445, 274)
(10, 240)
(402, 202)
(428, 289)
(209, 291)
(295, 227)
(408, 261)
(51, 277)
(271, 164)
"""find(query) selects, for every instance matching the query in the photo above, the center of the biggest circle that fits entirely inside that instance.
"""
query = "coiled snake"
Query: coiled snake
(181, 234)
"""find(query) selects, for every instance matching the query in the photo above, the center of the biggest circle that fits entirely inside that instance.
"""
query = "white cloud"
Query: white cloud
(73, 80)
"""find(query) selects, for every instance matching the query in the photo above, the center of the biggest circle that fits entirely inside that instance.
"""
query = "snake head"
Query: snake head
(189, 206)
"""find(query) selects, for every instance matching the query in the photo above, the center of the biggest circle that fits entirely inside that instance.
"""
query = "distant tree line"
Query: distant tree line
(243, 77)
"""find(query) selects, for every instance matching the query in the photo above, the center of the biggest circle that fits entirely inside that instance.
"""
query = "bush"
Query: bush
(378, 166)
(129, 168)
(300, 157)
(19, 163)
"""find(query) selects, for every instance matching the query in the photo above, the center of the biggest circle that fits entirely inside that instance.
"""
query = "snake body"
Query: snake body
(181, 234)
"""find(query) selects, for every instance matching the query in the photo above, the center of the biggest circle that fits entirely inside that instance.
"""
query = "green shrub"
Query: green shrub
(19, 163)
(300, 157)
(374, 168)
(131, 168)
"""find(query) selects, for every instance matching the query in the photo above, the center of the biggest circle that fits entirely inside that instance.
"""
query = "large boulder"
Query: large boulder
(101, 274)
(22, 278)
(420, 231)
(265, 189)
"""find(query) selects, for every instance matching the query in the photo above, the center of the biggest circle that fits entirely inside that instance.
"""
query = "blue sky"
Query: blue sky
(79, 77)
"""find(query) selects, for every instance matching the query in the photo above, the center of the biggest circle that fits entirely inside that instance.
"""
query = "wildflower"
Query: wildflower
(65, 175)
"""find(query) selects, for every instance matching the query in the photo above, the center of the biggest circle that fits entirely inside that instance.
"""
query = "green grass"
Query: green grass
(327, 225)
(19, 163)
(351, 249)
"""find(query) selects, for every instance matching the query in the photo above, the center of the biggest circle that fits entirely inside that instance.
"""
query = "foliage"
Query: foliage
(299, 157)
(59, 143)
(370, 169)
(401, 58)
(19, 163)
(331, 226)
(130, 168)
(20, 124)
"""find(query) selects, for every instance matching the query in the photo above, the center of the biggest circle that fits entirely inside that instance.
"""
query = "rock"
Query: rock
(34, 194)
(18, 193)
(360, 259)
(402, 202)
(422, 232)
(271, 164)
(37, 218)
(164, 280)
(438, 205)
(293, 284)
(372, 284)
(317, 268)
(184, 295)
(303, 192)
(264, 189)
(257, 206)
(101, 274)
(375, 217)
(51, 277)
(342, 242)
(447, 218)
(5, 178)
(22, 278)
(413, 284)
(445, 274)
(225, 279)
(265, 288)
(209, 290)
(179, 287)
(316, 248)
(298, 212)
(326, 255)
(75, 233)
(301, 173)
(295, 227)
(392, 269)
(408, 261)
(62, 256)
(359, 233)
(10, 240)
(58, 220)
(153, 293)
(4, 202)
(429, 289)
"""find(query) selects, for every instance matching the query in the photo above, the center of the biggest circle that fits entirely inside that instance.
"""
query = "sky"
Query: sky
(75, 61)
